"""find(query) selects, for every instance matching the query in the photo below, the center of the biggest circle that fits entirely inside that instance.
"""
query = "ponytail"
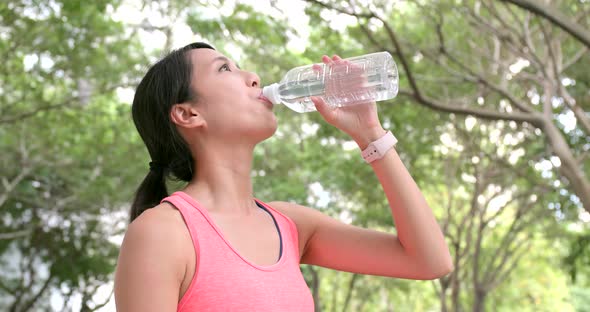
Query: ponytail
(165, 84)
(149, 193)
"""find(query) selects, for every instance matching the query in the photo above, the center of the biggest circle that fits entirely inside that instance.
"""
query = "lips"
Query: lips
(265, 99)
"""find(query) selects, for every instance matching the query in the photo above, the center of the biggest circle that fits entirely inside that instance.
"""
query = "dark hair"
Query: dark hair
(166, 83)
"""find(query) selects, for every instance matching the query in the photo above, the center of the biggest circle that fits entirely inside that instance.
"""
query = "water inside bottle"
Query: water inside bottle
(343, 90)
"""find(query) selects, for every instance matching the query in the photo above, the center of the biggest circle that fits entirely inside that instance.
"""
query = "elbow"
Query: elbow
(441, 271)
(447, 270)
(443, 267)
(438, 270)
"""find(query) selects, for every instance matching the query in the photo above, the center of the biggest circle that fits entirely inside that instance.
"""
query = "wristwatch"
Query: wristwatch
(378, 148)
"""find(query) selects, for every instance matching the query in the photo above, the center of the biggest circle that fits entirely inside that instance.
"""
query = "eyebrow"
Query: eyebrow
(225, 59)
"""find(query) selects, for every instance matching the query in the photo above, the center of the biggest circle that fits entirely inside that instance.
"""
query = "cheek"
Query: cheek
(229, 101)
(225, 91)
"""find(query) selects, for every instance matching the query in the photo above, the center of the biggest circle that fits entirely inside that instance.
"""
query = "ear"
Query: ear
(187, 116)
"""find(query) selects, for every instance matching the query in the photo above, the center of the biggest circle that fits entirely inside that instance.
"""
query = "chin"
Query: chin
(268, 131)
(271, 130)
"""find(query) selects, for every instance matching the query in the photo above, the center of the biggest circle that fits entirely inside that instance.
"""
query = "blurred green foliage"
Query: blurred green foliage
(71, 158)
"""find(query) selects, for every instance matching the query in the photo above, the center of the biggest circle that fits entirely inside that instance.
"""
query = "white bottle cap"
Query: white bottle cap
(272, 93)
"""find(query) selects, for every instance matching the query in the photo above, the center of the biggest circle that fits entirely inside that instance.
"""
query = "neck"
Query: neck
(222, 181)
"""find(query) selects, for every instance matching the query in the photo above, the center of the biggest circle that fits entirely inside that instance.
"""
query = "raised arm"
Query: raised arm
(418, 251)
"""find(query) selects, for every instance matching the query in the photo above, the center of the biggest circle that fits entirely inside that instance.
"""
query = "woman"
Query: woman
(212, 246)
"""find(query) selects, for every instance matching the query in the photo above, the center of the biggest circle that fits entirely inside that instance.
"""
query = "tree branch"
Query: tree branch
(340, 10)
(31, 302)
(555, 17)
(501, 276)
(9, 186)
(574, 59)
(549, 43)
(371, 37)
(480, 78)
(47, 107)
(5, 288)
(14, 235)
(531, 117)
(476, 112)
(101, 305)
(578, 111)
(509, 40)
(416, 92)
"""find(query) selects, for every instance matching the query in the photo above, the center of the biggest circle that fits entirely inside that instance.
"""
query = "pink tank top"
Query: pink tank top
(225, 281)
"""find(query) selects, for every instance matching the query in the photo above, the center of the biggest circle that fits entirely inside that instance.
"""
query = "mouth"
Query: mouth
(265, 100)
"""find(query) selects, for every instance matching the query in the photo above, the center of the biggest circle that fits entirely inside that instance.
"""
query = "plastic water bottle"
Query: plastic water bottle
(356, 80)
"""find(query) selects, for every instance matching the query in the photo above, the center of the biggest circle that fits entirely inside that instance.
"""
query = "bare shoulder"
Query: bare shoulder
(162, 225)
(165, 214)
(151, 254)
(162, 228)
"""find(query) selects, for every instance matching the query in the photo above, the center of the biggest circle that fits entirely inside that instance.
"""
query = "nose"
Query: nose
(253, 80)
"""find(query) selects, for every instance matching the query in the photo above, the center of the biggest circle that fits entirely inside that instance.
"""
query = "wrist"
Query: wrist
(378, 148)
(369, 135)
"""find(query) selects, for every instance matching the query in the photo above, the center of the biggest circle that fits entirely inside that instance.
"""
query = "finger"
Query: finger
(317, 67)
(326, 59)
(321, 106)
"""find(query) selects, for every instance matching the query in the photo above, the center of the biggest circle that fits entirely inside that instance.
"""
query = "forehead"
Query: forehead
(203, 58)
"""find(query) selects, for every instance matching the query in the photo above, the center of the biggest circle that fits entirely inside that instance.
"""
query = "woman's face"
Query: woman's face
(229, 98)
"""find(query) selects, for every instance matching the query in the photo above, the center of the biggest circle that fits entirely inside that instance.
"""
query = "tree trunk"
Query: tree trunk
(315, 288)
(569, 166)
(349, 292)
(443, 300)
(479, 300)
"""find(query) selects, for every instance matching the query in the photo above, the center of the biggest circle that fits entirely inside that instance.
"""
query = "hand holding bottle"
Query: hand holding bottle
(361, 122)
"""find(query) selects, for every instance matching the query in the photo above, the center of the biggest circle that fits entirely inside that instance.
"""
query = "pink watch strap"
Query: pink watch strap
(378, 148)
